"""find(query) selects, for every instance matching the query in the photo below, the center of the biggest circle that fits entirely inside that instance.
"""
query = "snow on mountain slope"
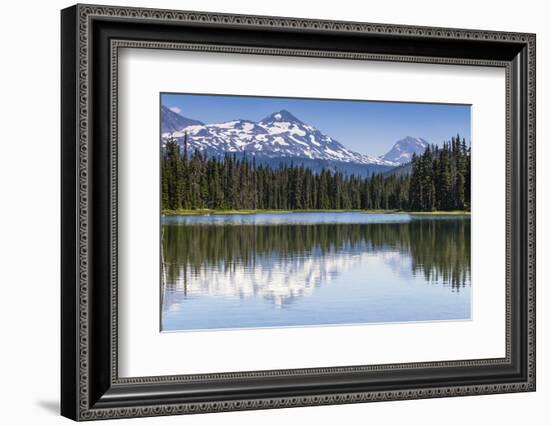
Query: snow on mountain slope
(279, 135)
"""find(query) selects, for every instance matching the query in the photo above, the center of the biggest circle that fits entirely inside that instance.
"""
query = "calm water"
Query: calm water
(298, 269)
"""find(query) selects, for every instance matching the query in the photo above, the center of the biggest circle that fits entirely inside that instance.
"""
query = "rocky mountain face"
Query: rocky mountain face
(172, 121)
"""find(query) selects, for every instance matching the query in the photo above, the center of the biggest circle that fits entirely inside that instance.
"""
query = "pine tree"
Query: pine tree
(173, 171)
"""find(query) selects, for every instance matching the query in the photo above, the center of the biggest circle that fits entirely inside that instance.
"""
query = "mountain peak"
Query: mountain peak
(403, 150)
(279, 137)
(412, 140)
(281, 116)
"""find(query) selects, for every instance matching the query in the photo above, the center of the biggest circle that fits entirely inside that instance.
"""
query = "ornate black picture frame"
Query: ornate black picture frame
(91, 388)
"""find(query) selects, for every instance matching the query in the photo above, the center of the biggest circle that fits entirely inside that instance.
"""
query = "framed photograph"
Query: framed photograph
(263, 212)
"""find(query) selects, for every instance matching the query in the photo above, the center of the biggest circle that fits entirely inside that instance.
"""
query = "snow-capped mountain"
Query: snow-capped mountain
(278, 137)
(403, 150)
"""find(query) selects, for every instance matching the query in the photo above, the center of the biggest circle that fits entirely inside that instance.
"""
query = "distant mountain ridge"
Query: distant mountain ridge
(172, 121)
(281, 138)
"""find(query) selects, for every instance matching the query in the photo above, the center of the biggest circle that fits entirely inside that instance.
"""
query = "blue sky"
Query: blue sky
(364, 126)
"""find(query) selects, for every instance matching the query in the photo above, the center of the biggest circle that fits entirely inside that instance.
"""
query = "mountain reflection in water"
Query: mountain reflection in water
(233, 271)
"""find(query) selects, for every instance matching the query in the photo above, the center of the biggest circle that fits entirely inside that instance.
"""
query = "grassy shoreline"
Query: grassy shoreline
(183, 212)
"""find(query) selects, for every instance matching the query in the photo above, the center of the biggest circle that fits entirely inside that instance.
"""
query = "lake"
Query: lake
(320, 268)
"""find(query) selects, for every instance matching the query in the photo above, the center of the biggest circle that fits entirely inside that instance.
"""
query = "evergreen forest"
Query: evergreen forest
(439, 180)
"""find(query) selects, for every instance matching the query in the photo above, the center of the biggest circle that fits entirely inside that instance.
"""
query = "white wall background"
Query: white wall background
(29, 211)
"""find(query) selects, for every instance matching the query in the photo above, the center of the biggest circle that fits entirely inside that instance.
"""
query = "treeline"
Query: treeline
(439, 181)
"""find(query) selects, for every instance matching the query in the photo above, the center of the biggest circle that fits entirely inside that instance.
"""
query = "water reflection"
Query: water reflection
(240, 270)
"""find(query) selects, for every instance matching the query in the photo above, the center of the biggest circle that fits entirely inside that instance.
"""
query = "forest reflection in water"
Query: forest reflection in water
(227, 272)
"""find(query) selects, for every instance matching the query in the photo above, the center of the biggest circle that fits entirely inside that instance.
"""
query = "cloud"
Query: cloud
(175, 109)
